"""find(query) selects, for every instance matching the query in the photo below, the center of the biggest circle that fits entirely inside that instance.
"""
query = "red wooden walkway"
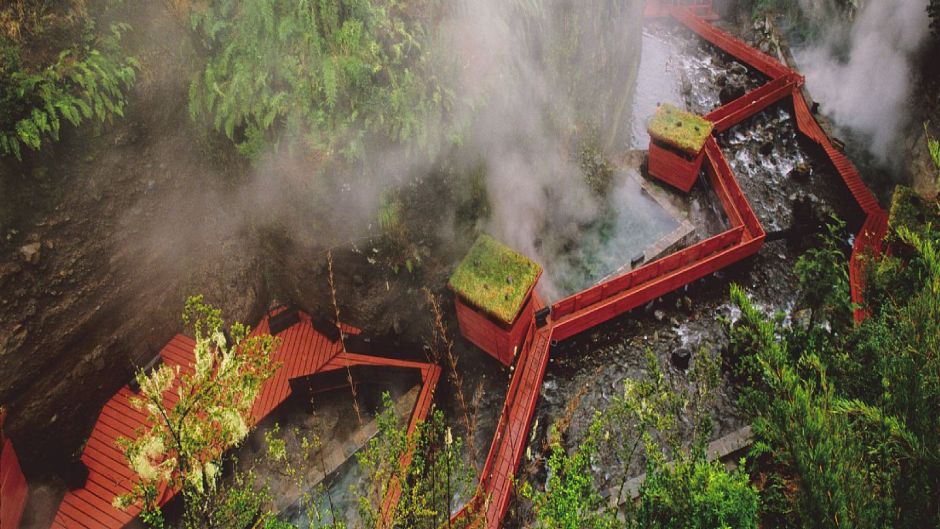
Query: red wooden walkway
(303, 351)
(623, 293)
(13, 487)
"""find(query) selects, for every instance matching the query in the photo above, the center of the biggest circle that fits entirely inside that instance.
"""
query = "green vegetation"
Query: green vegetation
(933, 147)
(909, 211)
(321, 74)
(681, 489)
(437, 473)
(184, 444)
(680, 129)
(845, 416)
(494, 278)
(83, 77)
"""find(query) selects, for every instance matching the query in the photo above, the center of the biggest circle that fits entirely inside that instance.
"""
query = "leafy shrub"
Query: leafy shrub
(320, 73)
(87, 81)
(695, 494)
(571, 499)
(851, 411)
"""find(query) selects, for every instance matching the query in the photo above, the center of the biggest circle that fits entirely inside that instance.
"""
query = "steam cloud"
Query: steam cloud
(862, 75)
(522, 132)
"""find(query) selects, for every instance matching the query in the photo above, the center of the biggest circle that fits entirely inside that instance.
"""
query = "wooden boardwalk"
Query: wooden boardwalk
(303, 351)
(618, 295)
(13, 487)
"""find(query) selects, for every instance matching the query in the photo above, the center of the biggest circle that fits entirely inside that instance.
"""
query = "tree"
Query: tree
(933, 10)
(322, 74)
(849, 413)
(933, 145)
(182, 445)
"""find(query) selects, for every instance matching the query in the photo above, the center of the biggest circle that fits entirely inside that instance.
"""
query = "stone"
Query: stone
(659, 315)
(30, 252)
(767, 147)
(801, 172)
(732, 89)
(681, 358)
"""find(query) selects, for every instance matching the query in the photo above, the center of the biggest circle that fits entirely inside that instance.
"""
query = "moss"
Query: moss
(909, 210)
(494, 278)
(680, 129)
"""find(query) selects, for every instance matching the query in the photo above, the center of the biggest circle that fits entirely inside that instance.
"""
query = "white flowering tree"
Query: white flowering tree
(181, 447)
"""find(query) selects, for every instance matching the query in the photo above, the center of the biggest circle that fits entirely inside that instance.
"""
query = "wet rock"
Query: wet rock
(31, 252)
(733, 88)
(801, 172)
(767, 147)
(681, 357)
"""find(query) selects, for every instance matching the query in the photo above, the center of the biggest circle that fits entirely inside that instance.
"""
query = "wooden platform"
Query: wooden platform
(13, 487)
(303, 351)
(614, 297)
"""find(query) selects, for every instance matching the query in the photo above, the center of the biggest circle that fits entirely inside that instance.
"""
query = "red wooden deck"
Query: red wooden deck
(13, 487)
(303, 351)
(616, 296)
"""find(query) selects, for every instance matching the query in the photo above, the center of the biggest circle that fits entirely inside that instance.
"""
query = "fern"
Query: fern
(933, 146)
(325, 74)
(88, 82)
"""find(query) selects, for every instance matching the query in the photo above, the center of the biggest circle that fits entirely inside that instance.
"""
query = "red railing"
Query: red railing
(752, 102)
(869, 244)
(13, 487)
(736, 48)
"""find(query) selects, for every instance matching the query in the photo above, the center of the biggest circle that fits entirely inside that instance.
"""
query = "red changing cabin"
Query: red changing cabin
(677, 141)
(493, 288)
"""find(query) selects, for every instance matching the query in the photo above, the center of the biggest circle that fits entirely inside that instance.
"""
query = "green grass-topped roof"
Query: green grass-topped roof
(494, 278)
(680, 129)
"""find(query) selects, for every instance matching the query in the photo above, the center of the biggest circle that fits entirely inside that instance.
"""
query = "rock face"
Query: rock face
(115, 246)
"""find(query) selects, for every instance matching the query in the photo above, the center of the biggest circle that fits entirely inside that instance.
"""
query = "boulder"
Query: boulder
(30, 252)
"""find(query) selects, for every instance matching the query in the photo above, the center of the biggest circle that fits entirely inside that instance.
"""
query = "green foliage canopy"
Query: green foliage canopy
(87, 81)
(321, 73)
(850, 413)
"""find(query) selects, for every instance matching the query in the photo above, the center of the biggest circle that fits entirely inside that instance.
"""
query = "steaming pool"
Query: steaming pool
(637, 224)
(639, 221)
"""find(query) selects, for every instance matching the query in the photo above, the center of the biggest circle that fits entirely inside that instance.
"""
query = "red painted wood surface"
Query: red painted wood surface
(302, 351)
(673, 168)
(733, 46)
(496, 481)
(13, 487)
(869, 243)
(496, 339)
(753, 102)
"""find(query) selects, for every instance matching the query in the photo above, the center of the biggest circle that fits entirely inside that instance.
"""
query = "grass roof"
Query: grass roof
(494, 278)
(909, 210)
(680, 129)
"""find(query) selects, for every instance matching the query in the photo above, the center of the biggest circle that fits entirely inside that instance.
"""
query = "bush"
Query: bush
(695, 494)
(850, 412)
(87, 80)
(322, 74)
